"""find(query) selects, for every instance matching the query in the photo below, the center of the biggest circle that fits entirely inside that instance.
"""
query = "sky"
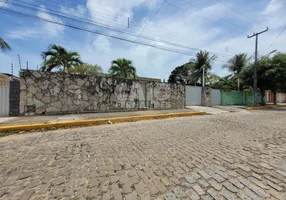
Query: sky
(185, 26)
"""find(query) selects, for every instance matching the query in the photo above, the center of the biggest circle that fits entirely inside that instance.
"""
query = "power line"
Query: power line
(98, 33)
(133, 23)
(108, 27)
(202, 9)
(276, 38)
(240, 13)
(154, 29)
(203, 17)
(161, 6)
(95, 32)
(3, 4)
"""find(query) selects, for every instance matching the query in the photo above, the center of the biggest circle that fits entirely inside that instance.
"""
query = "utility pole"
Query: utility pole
(255, 65)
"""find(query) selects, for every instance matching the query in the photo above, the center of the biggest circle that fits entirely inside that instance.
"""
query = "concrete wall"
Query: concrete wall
(56, 93)
(281, 97)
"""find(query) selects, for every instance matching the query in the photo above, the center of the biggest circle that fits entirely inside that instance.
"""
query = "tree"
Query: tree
(202, 61)
(122, 68)
(4, 46)
(236, 63)
(181, 74)
(271, 74)
(86, 69)
(58, 56)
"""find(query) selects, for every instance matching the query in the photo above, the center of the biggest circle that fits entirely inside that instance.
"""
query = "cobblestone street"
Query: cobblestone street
(226, 156)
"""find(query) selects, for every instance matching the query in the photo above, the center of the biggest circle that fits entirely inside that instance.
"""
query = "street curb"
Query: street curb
(27, 127)
(265, 107)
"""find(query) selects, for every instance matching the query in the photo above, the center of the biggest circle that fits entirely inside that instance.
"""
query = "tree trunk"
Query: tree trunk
(275, 97)
(66, 69)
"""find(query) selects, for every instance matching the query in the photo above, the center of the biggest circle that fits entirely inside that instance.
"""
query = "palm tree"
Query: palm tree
(202, 62)
(122, 68)
(4, 46)
(236, 63)
(58, 56)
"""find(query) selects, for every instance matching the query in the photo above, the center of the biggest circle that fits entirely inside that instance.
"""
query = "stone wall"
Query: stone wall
(59, 93)
(165, 96)
(206, 96)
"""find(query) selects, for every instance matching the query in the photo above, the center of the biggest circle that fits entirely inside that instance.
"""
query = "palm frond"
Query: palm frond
(4, 46)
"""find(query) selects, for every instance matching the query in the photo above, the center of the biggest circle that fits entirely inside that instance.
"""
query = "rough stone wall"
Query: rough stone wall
(166, 96)
(59, 93)
(14, 97)
(206, 96)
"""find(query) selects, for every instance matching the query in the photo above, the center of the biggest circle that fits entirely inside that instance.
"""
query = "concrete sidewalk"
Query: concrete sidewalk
(46, 119)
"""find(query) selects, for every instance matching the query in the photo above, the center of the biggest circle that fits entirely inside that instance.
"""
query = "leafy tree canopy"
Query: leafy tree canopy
(122, 68)
(86, 69)
(58, 57)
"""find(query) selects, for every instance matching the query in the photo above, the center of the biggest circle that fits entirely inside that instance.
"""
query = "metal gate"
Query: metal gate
(4, 98)
(215, 97)
(193, 95)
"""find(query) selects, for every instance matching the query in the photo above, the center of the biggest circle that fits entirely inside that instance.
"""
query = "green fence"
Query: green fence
(238, 98)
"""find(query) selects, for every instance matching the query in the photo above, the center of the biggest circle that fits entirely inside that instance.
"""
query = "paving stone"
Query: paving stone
(243, 196)
(222, 174)
(114, 179)
(170, 196)
(124, 179)
(274, 180)
(214, 194)
(106, 196)
(131, 197)
(275, 186)
(192, 194)
(215, 184)
(203, 183)
(152, 189)
(190, 179)
(140, 188)
(236, 183)
(258, 190)
(278, 195)
(243, 181)
(175, 180)
(206, 197)
(204, 174)
(26, 195)
(230, 186)
(256, 176)
(179, 193)
(144, 196)
(218, 178)
(250, 193)
(167, 182)
(227, 195)
(25, 175)
(127, 188)
(198, 189)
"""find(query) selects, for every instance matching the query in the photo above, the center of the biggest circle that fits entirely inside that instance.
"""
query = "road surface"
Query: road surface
(238, 155)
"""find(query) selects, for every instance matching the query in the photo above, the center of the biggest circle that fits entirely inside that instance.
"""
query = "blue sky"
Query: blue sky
(219, 26)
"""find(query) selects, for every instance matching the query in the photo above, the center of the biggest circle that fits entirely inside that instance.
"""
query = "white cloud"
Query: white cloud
(273, 7)
(52, 29)
(115, 11)
(101, 44)
(79, 11)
